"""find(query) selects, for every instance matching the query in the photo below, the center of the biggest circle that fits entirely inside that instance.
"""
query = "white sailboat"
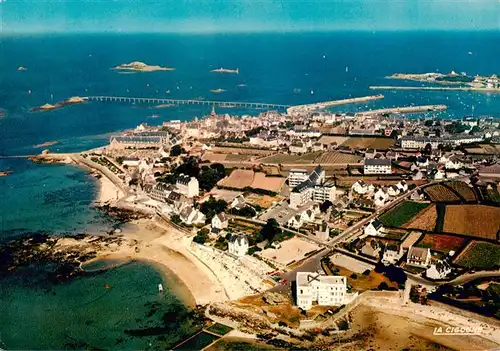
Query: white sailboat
(160, 288)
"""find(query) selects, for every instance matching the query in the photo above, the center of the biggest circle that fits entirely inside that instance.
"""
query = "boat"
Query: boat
(312, 92)
(155, 116)
(160, 288)
(346, 69)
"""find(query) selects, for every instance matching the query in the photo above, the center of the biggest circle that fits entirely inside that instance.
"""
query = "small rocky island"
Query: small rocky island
(71, 101)
(138, 66)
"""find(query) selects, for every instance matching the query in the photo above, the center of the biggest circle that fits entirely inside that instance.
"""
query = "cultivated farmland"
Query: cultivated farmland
(337, 157)
(210, 156)
(463, 190)
(402, 213)
(239, 179)
(489, 194)
(274, 184)
(425, 220)
(442, 242)
(286, 158)
(327, 139)
(369, 143)
(440, 193)
(479, 254)
(480, 221)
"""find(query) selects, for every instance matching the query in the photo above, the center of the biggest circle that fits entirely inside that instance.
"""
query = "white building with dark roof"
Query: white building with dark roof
(325, 290)
(220, 221)
(190, 215)
(313, 188)
(297, 176)
(377, 166)
(188, 186)
(238, 245)
(374, 227)
(418, 256)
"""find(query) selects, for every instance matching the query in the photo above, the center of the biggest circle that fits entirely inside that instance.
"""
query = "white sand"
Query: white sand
(108, 192)
(164, 248)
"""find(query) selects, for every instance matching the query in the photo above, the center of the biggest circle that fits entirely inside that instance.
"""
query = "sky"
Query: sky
(208, 16)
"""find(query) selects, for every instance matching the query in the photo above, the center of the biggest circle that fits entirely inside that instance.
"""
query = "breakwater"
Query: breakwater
(404, 109)
(391, 87)
(322, 105)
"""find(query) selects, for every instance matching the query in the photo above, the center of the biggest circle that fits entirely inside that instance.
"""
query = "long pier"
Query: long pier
(391, 87)
(158, 101)
(325, 104)
(404, 109)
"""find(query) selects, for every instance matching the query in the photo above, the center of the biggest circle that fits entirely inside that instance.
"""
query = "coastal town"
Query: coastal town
(289, 222)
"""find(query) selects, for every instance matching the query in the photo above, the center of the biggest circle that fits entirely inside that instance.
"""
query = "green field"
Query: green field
(220, 329)
(402, 213)
(480, 255)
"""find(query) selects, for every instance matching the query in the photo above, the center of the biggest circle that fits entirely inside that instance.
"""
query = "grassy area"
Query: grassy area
(480, 255)
(402, 213)
(198, 342)
(220, 329)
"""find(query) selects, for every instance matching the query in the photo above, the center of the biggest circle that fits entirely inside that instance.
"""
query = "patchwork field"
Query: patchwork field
(261, 181)
(286, 158)
(442, 242)
(327, 139)
(402, 213)
(440, 193)
(475, 220)
(425, 220)
(463, 190)
(239, 179)
(479, 254)
(490, 194)
(264, 201)
(369, 143)
(210, 156)
(247, 178)
(484, 149)
(337, 157)
(238, 157)
(241, 151)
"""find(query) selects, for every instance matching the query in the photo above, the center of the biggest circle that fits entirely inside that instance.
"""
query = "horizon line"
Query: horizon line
(250, 31)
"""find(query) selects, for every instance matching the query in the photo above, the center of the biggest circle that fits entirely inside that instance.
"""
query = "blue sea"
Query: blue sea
(282, 68)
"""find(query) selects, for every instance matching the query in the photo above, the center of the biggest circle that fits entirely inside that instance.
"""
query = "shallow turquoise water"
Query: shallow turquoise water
(48, 198)
(84, 314)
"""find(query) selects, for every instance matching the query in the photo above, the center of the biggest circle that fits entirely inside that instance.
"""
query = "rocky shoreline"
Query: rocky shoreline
(61, 257)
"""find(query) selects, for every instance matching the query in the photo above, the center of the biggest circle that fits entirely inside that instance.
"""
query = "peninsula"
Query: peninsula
(226, 70)
(138, 66)
(487, 83)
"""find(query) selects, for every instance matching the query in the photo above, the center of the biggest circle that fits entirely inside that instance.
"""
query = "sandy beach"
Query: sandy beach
(107, 192)
(146, 240)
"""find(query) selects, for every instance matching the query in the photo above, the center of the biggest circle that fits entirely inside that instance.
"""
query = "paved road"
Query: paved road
(465, 278)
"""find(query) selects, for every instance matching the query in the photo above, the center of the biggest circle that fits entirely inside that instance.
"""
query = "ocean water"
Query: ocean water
(120, 309)
(53, 199)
